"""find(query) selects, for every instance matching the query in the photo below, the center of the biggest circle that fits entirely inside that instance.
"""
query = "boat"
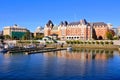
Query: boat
(3, 50)
(69, 48)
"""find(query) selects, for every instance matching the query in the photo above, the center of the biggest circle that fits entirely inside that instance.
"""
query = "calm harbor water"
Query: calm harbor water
(85, 64)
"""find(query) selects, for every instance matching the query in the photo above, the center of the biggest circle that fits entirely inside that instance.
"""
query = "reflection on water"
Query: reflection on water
(83, 54)
(85, 64)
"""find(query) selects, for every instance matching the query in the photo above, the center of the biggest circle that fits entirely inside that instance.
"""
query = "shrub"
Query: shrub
(116, 38)
(93, 42)
(74, 42)
(102, 42)
(35, 41)
(111, 42)
(47, 42)
(68, 42)
(97, 42)
(106, 42)
(77, 42)
(71, 42)
(81, 42)
(85, 42)
(106, 51)
(89, 42)
(101, 51)
(97, 51)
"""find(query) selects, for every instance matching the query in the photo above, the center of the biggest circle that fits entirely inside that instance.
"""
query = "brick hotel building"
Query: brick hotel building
(81, 30)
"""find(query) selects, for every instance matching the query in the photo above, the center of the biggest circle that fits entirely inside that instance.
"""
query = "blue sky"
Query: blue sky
(33, 13)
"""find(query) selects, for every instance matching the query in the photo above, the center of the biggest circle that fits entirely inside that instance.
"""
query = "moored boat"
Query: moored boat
(69, 48)
(3, 50)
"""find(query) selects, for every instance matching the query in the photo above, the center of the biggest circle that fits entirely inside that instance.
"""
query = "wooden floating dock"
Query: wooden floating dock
(49, 50)
(34, 50)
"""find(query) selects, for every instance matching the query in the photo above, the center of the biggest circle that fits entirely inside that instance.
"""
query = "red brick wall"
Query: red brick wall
(73, 31)
(101, 31)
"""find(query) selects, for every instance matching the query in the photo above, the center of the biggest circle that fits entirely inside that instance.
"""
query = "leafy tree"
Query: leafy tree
(110, 34)
(40, 36)
(26, 36)
(1, 38)
(7, 36)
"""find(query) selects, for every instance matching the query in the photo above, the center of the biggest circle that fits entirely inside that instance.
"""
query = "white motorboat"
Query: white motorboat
(69, 48)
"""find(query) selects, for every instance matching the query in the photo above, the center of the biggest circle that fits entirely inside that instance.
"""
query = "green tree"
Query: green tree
(1, 38)
(26, 36)
(110, 34)
(7, 36)
(40, 36)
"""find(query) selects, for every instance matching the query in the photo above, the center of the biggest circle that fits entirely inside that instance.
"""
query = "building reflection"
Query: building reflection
(7, 55)
(82, 54)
